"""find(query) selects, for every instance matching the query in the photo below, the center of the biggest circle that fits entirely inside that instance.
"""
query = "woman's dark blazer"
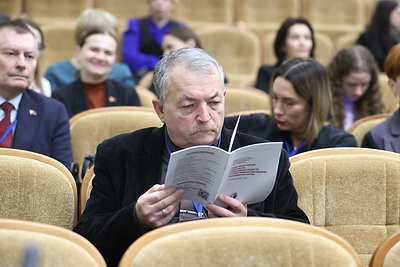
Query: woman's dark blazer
(74, 98)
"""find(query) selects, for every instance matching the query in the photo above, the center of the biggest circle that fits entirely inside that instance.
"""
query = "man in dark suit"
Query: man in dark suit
(32, 121)
(129, 197)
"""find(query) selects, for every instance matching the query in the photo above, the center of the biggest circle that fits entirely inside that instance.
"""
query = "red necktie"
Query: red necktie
(5, 123)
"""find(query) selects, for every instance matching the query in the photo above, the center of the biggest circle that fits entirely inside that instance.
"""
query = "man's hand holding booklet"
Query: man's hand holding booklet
(205, 172)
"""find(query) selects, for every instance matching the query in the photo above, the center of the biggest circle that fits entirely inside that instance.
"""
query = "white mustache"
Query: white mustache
(209, 128)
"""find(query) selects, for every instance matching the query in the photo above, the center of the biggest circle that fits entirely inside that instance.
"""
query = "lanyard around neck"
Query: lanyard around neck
(294, 151)
(198, 207)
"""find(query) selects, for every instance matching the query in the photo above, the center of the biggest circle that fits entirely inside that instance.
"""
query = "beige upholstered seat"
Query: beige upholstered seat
(325, 48)
(146, 96)
(55, 11)
(242, 98)
(146, 80)
(124, 9)
(60, 44)
(91, 127)
(238, 51)
(263, 16)
(248, 241)
(335, 17)
(362, 126)
(86, 188)
(387, 253)
(346, 40)
(12, 8)
(268, 54)
(35, 187)
(204, 13)
(370, 6)
(47, 245)
(353, 192)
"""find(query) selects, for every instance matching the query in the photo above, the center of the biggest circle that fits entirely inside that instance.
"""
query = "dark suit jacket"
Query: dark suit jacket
(74, 98)
(127, 165)
(379, 52)
(261, 125)
(264, 76)
(43, 127)
(385, 136)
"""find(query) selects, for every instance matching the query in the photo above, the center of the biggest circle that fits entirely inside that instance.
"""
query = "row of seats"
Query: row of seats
(252, 99)
(339, 14)
(276, 241)
(91, 127)
(351, 192)
(239, 51)
(226, 27)
(252, 242)
(107, 122)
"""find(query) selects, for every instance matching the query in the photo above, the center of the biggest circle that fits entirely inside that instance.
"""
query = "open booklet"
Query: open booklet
(204, 172)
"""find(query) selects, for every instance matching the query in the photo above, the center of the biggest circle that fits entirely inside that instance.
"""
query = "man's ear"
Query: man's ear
(159, 109)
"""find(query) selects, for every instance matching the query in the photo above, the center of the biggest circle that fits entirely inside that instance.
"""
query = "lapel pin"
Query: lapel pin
(32, 112)
(112, 99)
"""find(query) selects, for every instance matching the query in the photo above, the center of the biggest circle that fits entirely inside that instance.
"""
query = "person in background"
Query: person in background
(179, 37)
(40, 84)
(129, 197)
(28, 120)
(65, 72)
(295, 38)
(386, 136)
(300, 105)
(176, 38)
(141, 44)
(94, 88)
(383, 31)
(353, 75)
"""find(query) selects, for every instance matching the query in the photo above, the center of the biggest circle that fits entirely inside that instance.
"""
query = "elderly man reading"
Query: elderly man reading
(129, 197)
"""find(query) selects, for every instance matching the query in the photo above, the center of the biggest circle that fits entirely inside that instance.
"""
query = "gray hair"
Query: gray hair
(194, 59)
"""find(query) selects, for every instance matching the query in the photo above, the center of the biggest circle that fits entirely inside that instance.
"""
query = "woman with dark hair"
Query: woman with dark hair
(353, 74)
(386, 135)
(295, 38)
(300, 105)
(383, 32)
(179, 37)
